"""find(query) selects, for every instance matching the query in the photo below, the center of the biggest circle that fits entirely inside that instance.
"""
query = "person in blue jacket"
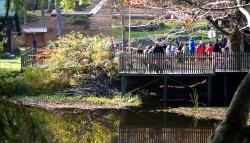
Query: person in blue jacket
(191, 45)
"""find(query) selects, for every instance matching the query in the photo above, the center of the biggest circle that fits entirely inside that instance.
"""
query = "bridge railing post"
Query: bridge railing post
(123, 85)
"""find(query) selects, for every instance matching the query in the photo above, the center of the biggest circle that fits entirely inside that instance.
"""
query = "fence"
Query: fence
(164, 135)
(28, 58)
(161, 63)
(25, 58)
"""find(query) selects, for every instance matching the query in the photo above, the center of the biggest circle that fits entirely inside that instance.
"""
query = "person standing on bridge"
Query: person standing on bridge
(209, 49)
(112, 49)
(140, 49)
(191, 45)
(217, 46)
(34, 44)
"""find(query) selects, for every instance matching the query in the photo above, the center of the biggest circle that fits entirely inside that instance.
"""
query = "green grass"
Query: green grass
(93, 100)
(10, 65)
(195, 100)
(162, 32)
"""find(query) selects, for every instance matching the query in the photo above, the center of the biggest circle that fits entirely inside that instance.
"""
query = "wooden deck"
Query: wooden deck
(133, 64)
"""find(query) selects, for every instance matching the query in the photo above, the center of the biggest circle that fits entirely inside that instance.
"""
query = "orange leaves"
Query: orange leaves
(127, 1)
(133, 2)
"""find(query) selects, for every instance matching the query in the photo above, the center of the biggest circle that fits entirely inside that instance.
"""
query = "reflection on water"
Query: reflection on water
(29, 125)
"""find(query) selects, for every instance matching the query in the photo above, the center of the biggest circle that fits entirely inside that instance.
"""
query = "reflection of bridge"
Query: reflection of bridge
(141, 126)
(164, 135)
(164, 65)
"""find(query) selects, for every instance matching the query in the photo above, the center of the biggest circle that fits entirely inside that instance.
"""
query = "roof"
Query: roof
(35, 29)
(2, 9)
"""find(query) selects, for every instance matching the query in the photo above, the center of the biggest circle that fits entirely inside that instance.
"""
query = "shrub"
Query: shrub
(39, 80)
(76, 19)
(75, 57)
(79, 21)
(36, 80)
(31, 81)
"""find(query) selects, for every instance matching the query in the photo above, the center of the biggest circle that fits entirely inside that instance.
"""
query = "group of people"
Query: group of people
(220, 45)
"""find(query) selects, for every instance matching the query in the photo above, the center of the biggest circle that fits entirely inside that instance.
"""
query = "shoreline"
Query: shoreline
(47, 105)
(207, 113)
(74, 102)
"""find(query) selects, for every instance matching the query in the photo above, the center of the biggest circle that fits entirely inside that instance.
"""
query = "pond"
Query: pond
(27, 124)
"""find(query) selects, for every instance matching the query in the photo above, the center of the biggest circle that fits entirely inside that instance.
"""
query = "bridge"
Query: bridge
(178, 64)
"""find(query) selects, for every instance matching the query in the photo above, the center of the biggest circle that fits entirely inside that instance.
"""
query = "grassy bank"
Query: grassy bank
(215, 113)
(169, 25)
(34, 81)
(10, 65)
(82, 102)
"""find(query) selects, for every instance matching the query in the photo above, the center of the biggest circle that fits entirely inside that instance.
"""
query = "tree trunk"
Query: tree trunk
(235, 40)
(43, 13)
(231, 130)
(49, 6)
(24, 13)
(59, 18)
(123, 28)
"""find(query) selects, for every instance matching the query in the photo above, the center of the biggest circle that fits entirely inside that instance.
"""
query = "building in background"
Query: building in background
(38, 32)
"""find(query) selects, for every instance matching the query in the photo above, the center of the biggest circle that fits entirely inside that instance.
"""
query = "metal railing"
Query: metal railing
(25, 58)
(161, 63)
(28, 59)
(164, 135)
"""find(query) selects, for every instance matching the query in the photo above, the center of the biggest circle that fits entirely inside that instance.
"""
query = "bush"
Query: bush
(76, 19)
(76, 58)
(79, 21)
(31, 81)
(39, 80)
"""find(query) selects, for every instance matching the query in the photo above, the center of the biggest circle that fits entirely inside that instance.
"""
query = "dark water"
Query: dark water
(34, 125)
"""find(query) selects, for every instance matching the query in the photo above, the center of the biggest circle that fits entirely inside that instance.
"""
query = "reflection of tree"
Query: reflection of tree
(82, 126)
(22, 124)
(17, 125)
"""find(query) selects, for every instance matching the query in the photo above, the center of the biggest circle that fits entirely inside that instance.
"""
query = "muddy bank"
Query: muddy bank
(62, 104)
(215, 113)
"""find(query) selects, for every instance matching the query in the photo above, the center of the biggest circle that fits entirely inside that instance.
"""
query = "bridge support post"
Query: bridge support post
(123, 85)
(165, 88)
(209, 92)
(225, 89)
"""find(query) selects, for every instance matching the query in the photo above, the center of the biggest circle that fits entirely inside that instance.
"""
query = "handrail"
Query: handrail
(179, 63)
(25, 58)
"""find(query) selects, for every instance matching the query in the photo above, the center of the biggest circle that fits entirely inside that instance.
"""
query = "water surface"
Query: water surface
(34, 125)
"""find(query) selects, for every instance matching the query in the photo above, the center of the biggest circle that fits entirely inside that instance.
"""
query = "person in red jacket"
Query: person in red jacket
(200, 50)
(210, 48)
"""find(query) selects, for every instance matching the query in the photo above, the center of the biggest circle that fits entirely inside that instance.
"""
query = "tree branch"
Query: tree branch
(191, 3)
(224, 32)
(37, 1)
(244, 12)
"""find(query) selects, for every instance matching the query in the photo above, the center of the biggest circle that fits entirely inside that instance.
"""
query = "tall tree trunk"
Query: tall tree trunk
(43, 13)
(123, 28)
(59, 18)
(8, 3)
(24, 13)
(49, 6)
(235, 40)
(232, 129)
